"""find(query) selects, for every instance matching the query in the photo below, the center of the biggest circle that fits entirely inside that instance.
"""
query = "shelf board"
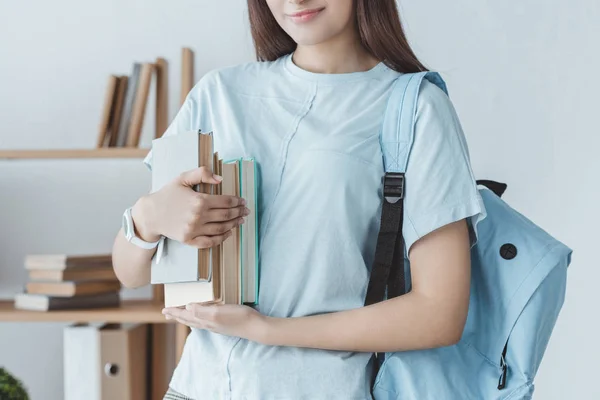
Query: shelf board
(144, 311)
(115, 152)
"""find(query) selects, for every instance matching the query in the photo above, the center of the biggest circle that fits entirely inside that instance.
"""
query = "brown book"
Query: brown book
(68, 289)
(172, 155)
(118, 110)
(40, 302)
(139, 105)
(128, 104)
(187, 73)
(162, 97)
(75, 275)
(231, 261)
(62, 262)
(107, 111)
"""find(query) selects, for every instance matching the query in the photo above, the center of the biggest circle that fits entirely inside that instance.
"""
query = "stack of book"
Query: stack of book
(62, 282)
(226, 273)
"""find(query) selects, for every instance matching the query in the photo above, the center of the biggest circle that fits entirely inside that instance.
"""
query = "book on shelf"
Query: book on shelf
(62, 282)
(40, 302)
(73, 274)
(226, 273)
(125, 104)
(108, 110)
(62, 262)
(117, 112)
(138, 108)
(71, 289)
(112, 111)
(128, 104)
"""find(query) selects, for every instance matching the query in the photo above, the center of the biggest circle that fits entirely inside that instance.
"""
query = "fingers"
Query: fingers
(199, 175)
(205, 221)
(225, 214)
(219, 228)
(205, 242)
(197, 315)
(222, 201)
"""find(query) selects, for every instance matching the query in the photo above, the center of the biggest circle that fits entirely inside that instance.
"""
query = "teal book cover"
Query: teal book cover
(250, 163)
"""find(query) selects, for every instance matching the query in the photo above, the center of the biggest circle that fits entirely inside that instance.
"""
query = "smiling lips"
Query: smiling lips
(305, 15)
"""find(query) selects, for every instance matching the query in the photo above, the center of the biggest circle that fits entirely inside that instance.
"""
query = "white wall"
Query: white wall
(522, 77)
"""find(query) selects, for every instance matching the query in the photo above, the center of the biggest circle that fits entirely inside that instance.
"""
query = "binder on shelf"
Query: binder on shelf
(106, 362)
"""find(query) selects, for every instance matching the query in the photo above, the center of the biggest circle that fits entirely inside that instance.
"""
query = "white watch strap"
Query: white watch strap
(132, 237)
(143, 244)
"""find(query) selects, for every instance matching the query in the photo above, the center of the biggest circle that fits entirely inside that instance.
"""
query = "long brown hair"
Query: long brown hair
(379, 27)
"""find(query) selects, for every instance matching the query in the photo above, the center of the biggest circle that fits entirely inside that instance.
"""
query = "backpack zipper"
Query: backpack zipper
(504, 367)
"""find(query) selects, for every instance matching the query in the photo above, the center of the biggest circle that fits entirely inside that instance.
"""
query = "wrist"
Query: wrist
(142, 223)
(266, 330)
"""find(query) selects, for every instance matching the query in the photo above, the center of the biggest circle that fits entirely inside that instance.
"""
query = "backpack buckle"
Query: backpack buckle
(393, 186)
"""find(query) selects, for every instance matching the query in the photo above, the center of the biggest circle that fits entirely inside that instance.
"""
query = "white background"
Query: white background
(522, 76)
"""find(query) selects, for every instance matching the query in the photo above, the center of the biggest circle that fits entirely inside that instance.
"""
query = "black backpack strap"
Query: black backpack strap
(388, 266)
(397, 135)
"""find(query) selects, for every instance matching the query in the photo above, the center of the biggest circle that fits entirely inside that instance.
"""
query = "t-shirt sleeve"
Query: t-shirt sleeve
(440, 185)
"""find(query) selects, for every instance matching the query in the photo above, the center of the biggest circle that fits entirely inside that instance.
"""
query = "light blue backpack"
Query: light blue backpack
(518, 286)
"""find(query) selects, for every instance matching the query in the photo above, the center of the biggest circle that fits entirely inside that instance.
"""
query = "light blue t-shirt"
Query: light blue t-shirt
(316, 140)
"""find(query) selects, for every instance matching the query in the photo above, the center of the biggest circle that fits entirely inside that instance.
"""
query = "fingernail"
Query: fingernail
(243, 202)
(218, 177)
(242, 220)
(247, 211)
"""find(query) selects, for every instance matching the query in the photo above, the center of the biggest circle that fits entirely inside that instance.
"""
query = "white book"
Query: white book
(172, 155)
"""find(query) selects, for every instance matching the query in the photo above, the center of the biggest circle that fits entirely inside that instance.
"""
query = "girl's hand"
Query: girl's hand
(180, 213)
(227, 319)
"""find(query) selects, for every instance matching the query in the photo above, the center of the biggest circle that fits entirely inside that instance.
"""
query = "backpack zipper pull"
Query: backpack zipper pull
(504, 367)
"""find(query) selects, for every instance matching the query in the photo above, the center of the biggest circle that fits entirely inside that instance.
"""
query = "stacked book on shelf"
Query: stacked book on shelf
(64, 282)
(226, 273)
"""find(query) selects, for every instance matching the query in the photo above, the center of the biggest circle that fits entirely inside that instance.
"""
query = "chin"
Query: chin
(310, 37)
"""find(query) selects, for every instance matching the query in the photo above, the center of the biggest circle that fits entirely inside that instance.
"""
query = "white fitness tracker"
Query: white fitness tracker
(129, 231)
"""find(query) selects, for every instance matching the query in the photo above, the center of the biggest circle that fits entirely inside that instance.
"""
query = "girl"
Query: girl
(310, 113)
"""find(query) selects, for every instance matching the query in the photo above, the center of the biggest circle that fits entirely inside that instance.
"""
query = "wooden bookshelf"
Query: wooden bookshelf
(167, 337)
(107, 152)
(142, 311)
